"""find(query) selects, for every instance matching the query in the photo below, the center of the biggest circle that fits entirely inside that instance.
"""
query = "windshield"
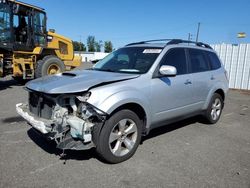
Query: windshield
(4, 23)
(134, 60)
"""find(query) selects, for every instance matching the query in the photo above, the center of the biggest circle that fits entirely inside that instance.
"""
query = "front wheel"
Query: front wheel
(49, 65)
(214, 109)
(120, 137)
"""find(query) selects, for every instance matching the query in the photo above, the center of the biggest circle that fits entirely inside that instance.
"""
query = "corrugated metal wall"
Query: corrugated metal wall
(236, 59)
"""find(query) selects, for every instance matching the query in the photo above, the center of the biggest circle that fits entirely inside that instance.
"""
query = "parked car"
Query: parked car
(133, 90)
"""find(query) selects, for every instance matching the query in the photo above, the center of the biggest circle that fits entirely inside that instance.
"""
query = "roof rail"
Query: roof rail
(172, 41)
(147, 41)
(178, 41)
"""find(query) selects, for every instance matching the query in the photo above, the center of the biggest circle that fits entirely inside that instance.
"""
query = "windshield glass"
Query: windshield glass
(4, 23)
(134, 60)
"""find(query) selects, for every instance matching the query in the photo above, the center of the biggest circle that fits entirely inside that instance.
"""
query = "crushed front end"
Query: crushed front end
(66, 118)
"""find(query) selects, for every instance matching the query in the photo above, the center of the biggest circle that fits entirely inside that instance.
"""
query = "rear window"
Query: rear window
(198, 61)
(214, 61)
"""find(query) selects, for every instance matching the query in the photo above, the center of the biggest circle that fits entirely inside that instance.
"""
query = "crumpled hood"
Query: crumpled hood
(76, 81)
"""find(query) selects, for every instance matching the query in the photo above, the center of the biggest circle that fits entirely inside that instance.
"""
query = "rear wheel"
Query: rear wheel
(214, 109)
(49, 65)
(120, 137)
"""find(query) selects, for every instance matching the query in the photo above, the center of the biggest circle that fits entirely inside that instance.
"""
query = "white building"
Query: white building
(91, 56)
(236, 59)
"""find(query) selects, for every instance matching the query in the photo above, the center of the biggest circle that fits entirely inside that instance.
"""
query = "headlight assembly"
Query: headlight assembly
(84, 97)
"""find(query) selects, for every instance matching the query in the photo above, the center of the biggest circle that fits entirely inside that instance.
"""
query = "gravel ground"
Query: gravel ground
(184, 154)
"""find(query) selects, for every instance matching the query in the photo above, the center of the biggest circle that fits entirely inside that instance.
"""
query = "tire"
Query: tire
(44, 66)
(119, 137)
(214, 110)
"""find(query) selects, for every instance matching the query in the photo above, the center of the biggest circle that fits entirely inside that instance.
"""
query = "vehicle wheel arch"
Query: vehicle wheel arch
(46, 52)
(216, 89)
(137, 109)
(134, 107)
(221, 93)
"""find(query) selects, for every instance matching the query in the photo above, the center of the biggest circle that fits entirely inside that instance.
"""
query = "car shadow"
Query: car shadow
(5, 84)
(13, 119)
(50, 147)
(171, 127)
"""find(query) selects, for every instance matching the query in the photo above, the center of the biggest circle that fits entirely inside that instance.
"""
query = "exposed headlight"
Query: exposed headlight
(84, 97)
(86, 110)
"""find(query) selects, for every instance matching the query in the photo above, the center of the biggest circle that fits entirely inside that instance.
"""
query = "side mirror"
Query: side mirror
(167, 70)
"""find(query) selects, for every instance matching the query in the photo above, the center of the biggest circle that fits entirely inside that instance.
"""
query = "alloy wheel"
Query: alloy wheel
(123, 137)
(216, 109)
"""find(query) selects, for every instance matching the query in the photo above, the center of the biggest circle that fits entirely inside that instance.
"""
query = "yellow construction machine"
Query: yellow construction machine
(27, 49)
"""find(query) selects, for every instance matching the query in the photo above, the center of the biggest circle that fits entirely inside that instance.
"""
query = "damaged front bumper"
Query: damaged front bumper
(69, 131)
(40, 124)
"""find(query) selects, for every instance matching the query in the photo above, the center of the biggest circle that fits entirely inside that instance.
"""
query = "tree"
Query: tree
(91, 43)
(108, 46)
(79, 46)
(76, 46)
(82, 47)
(98, 46)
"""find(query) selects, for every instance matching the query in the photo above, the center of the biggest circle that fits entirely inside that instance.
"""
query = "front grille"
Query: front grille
(40, 105)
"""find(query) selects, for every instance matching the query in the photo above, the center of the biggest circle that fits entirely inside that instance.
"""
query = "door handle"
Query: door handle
(188, 82)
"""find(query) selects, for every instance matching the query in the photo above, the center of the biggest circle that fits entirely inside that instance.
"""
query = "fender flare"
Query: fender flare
(111, 103)
(216, 87)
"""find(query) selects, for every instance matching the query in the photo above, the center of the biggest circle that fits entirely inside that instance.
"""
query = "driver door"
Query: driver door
(172, 96)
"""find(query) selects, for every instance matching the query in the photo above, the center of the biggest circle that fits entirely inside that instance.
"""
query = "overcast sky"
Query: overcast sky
(135, 20)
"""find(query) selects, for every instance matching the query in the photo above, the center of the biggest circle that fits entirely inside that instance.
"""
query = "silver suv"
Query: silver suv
(133, 90)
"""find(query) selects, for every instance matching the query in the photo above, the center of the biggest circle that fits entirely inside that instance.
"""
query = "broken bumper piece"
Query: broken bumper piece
(75, 134)
(40, 124)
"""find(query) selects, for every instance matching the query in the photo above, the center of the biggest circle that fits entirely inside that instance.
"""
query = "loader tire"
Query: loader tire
(49, 65)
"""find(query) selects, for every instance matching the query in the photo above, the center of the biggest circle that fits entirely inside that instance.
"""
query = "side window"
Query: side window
(63, 48)
(39, 28)
(214, 61)
(15, 21)
(198, 62)
(20, 23)
(176, 57)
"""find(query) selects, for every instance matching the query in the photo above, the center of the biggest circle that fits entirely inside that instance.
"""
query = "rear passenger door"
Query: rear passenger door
(202, 77)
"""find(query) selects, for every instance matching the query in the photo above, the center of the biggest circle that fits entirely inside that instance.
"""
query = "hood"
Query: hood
(76, 81)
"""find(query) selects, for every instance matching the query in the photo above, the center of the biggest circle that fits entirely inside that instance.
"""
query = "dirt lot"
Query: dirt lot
(185, 154)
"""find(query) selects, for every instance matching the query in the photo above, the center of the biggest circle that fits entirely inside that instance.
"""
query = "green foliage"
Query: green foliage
(79, 46)
(108, 46)
(98, 46)
(91, 43)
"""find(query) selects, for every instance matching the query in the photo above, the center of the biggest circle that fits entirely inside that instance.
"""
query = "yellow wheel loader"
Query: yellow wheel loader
(27, 49)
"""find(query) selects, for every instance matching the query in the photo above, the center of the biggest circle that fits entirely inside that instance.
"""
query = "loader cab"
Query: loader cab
(22, 26)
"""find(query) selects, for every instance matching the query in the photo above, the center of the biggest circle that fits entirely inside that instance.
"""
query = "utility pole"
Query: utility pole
(198, 32)
(189, 36)
(80, 45)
